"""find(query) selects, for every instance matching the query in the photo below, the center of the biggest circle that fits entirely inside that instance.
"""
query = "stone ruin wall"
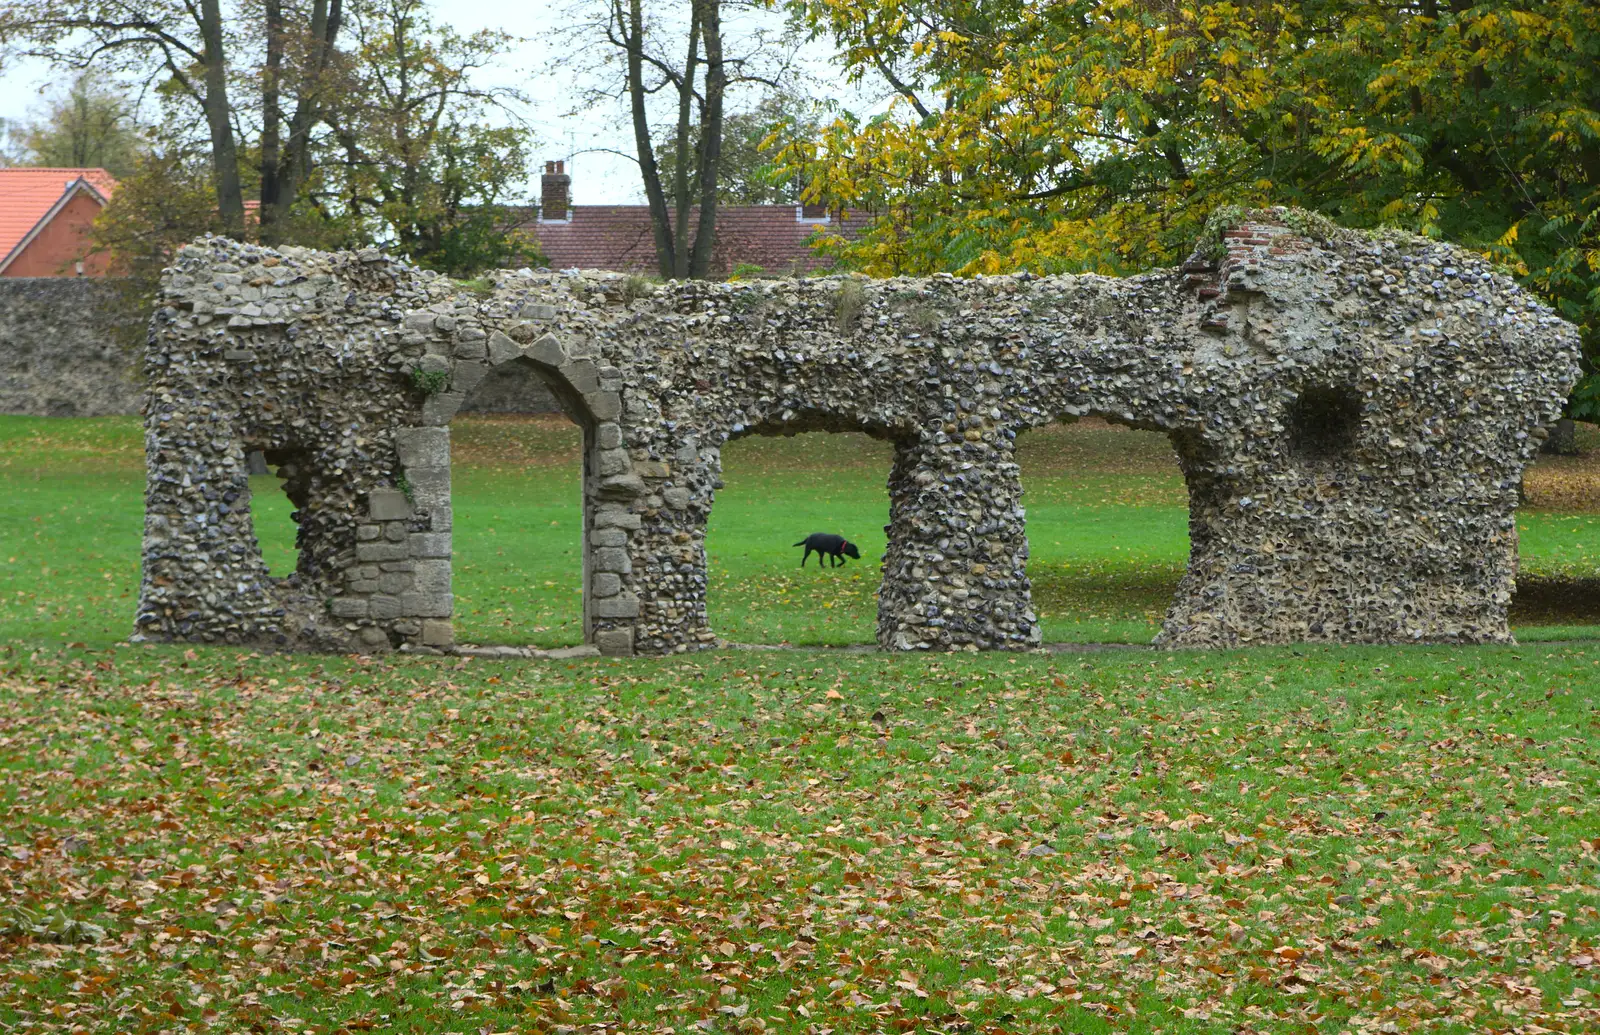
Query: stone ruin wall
(59, 353)
(1352, 415)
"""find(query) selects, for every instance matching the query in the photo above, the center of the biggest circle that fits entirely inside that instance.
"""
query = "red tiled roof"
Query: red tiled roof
(618, 237)
(28, 195)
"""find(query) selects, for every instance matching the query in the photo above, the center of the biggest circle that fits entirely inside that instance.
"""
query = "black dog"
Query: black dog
(826, 545)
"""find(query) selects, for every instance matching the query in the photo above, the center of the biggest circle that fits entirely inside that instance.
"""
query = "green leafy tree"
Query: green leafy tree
(414, 156)
(84, 126)
(167, 199)
(1101, 134)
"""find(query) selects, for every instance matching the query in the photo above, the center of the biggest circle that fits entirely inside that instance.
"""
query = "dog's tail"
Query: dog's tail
(801, 543)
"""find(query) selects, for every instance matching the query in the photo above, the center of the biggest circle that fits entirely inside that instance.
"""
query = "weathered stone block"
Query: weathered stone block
(608, 435)
(388, 505)
(426, 605)
(613, 461)
(615, 643)
(381, 551)
(430, 544)
(610, 558)
(502, 349)
(605, 584)
(608, 537)
(423, 447)
(439, 409)
(468, 376)
(613, 516)
(384, 608)
(605, 405)
(624, 605)
(348, 607)
(432, 576)
(652, 469)
(547, 350)
(436, 633)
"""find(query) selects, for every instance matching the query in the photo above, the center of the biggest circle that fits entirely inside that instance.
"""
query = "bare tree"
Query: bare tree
(205, 52)
(691, 64)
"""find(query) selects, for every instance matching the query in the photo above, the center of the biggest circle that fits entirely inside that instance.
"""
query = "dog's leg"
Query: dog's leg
(804, 556)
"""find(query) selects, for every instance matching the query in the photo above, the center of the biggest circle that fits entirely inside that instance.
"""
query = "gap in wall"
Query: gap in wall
(776, 491)
(1108, 529)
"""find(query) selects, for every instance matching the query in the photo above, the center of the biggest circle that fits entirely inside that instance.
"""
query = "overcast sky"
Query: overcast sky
(583, 141)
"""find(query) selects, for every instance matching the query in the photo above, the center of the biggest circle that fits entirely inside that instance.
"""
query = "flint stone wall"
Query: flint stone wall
(1352, 415)
(58, 355)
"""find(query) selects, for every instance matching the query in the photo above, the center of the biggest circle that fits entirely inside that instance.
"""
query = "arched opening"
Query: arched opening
(1108, 529)
(1558, 544)
(279, 488)
(779, 486)
(517, 526)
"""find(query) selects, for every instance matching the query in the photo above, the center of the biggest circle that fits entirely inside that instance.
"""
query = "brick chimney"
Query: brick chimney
(555, 193)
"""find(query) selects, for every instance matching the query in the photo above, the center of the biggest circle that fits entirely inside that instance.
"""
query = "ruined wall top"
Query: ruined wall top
(1352, 413)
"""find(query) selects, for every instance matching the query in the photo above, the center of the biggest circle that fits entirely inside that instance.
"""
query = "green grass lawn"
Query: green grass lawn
(1106, 517)
(1320, 840)
(1294, 840)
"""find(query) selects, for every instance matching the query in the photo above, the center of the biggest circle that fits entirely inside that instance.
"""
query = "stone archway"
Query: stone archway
(610, 605)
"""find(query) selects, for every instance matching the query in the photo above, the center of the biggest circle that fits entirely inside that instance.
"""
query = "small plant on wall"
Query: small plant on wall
(430, 382)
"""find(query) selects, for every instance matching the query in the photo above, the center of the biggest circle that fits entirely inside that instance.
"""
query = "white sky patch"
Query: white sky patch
(587, 141)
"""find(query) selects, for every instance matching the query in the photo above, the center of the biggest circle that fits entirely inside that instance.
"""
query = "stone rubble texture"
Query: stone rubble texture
(59, 354)
(1352, 414)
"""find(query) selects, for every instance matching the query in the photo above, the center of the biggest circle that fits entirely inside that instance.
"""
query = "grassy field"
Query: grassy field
(1106, 516)
(1322, 840)
(1311, 840)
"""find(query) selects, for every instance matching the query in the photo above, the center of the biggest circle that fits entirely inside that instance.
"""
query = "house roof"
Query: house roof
(30, 197)
(618, 237)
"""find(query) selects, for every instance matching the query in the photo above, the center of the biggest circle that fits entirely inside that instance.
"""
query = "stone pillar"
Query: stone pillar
(955, 574)
(668, 551)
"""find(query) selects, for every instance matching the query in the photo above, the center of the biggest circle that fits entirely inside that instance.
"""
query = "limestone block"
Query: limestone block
(608, 537)
(605, 584)
(467, 377)
(384, 608)
(381, 551)
(623, 605)
(613, 461)
(430, 544)
(348, 607)
(388, 505)
(426, 605)
(547, 350)
(611, 515)
(610, 558)
(502, 349)
(437, 633)
(439, 409)
(432, 576)
(615, 642)
(605, 406)
(423, 447)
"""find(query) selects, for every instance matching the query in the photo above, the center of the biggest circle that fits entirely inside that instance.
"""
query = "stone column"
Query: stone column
(668, 551)
(955, 574)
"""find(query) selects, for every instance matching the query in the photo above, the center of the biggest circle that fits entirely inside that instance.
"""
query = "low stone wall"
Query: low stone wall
(1352, 414)
(58, 356)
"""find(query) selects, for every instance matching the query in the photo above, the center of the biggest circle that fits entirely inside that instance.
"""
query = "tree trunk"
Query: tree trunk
(224, 152)
(271, 119)
(632, 28)
(680, 178)
(710, 135)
